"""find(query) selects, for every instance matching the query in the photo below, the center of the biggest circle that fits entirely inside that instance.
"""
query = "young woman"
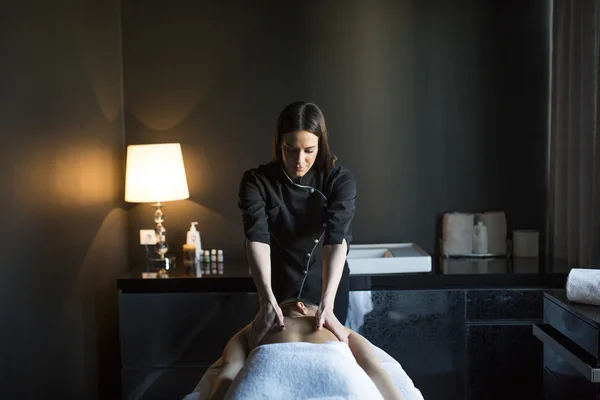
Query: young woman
(297, 212)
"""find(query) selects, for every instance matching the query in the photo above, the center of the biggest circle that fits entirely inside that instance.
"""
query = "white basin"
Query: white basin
(390, 258)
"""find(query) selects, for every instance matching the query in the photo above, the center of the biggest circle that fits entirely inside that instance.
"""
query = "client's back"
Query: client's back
(300, 323)
(299, 329)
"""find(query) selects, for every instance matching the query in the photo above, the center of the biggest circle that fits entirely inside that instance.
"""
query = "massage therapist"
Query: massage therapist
(297, 212)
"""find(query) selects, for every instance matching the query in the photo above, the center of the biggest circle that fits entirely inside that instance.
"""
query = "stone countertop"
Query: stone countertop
(233, 276)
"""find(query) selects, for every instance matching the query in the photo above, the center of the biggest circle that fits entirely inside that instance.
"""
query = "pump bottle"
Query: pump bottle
(193, 238)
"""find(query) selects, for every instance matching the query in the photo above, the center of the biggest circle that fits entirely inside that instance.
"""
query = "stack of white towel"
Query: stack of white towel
(583, 286)
(457, 232)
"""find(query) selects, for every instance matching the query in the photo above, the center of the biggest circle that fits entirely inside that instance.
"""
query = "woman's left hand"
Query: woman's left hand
(326, 318)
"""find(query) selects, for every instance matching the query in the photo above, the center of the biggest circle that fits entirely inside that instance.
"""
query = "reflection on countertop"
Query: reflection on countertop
(234, 276)
(198, 269)
(462, 266)
(514, 265)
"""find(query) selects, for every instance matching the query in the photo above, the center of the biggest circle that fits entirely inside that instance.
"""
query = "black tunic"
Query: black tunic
(296, 220)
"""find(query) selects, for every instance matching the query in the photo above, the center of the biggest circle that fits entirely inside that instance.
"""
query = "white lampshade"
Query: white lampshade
(155, 173)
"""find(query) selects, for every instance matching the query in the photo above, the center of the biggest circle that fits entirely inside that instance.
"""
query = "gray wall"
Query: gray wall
(63, 230)
(434, 105)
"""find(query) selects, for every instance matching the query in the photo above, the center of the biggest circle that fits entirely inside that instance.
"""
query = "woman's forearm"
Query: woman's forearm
(259, 258)
(334, 258)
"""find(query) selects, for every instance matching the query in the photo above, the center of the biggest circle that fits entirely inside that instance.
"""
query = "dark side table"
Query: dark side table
(571, 337)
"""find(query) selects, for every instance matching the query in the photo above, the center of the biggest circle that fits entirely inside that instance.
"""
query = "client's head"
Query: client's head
(295, 307)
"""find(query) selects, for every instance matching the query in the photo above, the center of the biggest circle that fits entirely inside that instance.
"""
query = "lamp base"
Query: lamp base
(168, 263)
(161, 247)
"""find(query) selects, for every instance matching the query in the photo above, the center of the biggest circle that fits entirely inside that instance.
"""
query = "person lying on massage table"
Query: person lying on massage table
(299, 318)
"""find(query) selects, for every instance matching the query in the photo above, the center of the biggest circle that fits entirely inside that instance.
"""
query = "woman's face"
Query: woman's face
(299, 151)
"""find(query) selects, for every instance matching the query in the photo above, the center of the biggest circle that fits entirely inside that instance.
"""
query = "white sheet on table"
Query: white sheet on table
(300, 370)
(403, 382)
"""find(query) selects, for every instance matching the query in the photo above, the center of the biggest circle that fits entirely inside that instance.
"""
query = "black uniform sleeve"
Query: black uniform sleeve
(341, 207)
(252, 204)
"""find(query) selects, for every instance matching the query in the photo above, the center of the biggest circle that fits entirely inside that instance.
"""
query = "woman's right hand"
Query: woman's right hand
(269, 316)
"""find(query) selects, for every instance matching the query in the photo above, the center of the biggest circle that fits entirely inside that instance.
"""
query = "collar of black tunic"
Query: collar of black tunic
(306, 180)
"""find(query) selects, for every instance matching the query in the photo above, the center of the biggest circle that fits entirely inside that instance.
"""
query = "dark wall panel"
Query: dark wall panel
(435, 106)
(63, 231)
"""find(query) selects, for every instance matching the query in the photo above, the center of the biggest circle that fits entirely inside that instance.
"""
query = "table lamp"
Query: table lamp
(155, 174)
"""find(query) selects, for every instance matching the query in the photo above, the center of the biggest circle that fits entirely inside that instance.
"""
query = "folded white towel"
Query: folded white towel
(302, 371)
(583, 286)
(457, 233)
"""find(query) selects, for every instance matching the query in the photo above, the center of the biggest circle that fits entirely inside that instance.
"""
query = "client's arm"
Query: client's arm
(365, 357)
(233, 359)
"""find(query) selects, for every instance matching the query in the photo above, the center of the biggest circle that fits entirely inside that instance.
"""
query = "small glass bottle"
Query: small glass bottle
(206, 257)
(480, 239)
(189, 255)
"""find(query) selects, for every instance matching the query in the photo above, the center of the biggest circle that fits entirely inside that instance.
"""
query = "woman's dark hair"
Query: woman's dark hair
(302, 116)
(292, 301)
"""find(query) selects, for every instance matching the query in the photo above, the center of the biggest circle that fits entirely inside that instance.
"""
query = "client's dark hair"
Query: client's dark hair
(293, 300)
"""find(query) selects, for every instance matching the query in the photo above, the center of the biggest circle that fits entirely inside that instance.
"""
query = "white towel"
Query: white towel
(302, 370)
(403, 382)
(583, 286)
(360, 303)
(457, 233)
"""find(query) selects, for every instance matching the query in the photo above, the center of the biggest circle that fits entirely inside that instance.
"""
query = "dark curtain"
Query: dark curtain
(574, 207)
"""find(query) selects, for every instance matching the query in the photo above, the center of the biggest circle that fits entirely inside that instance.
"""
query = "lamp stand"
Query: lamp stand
(161, 246)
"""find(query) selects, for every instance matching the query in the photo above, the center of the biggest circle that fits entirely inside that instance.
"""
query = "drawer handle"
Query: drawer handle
(549, 335)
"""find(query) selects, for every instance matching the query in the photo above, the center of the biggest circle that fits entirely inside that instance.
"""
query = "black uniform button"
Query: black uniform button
(312, 190)
(316, 240)
(307, 254)
(324, 224)
(304, 272)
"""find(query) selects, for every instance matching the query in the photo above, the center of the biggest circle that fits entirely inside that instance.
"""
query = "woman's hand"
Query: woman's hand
(326, 318)
(269, 316)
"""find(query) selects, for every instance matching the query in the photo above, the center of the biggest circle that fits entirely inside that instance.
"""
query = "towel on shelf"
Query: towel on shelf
(457, 233)
(583, 286)
(301, 370)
